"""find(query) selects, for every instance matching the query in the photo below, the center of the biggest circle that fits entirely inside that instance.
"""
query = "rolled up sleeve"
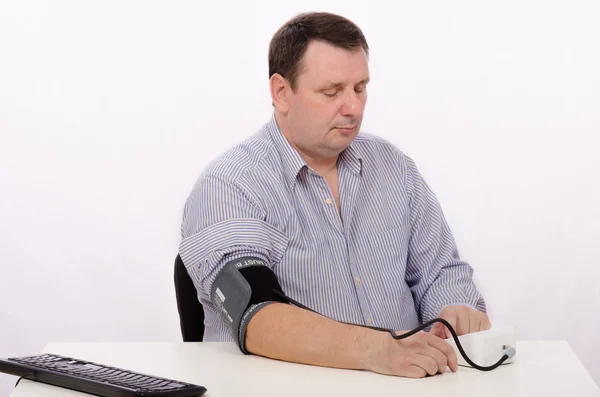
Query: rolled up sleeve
(221, 223)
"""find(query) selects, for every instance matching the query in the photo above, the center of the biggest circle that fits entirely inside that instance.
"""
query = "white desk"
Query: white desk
(541, 369)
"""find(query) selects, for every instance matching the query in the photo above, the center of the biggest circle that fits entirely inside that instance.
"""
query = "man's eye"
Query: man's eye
(360, 89)
(330, 94)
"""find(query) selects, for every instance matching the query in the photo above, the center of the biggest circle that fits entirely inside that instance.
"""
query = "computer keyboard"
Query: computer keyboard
(95, 379)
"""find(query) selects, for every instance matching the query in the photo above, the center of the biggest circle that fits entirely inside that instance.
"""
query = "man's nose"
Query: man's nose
(352, 105)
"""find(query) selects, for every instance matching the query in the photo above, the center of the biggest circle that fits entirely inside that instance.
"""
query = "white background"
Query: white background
(110, 110)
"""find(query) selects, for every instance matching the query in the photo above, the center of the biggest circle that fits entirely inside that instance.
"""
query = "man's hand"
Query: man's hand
(463, 319)
(417, 356)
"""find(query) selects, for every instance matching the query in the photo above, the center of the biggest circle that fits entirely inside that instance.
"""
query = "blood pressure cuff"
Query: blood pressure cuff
(241, 289)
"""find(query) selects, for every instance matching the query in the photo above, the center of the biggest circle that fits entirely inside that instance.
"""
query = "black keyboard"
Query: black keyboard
(95, 379)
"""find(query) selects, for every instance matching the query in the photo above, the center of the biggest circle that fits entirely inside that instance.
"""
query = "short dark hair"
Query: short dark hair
(290, 42)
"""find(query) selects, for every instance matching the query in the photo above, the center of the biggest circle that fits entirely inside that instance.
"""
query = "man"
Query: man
(344, 221)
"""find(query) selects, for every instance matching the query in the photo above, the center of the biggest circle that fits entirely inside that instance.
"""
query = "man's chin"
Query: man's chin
(341, 143)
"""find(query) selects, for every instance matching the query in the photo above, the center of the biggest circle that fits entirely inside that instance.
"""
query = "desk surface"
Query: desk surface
(541, 368)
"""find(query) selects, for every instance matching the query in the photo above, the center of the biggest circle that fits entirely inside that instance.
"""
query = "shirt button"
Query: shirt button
(327, 201)
(369, 321)
(357, 279)
(309, 172)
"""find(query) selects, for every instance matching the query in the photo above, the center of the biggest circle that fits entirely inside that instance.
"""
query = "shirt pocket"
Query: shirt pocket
(391, 246)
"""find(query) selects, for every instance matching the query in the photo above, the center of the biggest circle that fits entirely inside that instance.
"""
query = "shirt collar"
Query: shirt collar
(290, 158)
(352, 158)
(293, 163)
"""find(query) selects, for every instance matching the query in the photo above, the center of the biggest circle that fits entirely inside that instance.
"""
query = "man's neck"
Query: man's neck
(322, 165)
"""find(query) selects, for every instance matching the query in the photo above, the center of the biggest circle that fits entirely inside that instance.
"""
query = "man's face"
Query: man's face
(326, 111)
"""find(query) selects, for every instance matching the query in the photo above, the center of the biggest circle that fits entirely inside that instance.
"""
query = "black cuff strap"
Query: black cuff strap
(241, 289)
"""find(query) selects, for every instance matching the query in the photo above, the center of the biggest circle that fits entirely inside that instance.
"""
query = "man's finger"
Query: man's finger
(485, 324)
(439, 357)
(447, 350)
(414, 371)
(427, 363)
(438, 330)
(462, 322)
(474, 322)
(450, 316)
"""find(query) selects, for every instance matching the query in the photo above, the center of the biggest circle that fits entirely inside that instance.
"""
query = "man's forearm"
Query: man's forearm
(288, 333)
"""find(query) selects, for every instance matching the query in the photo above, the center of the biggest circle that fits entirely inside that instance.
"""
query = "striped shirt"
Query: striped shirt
(389, 261)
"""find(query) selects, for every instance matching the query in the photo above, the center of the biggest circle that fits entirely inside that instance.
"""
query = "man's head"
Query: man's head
(318, 68)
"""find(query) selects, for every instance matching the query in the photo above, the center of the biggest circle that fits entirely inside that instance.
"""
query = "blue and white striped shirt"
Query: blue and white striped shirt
(389, 261)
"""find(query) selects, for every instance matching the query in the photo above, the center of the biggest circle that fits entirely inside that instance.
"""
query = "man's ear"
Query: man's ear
(280, 92)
